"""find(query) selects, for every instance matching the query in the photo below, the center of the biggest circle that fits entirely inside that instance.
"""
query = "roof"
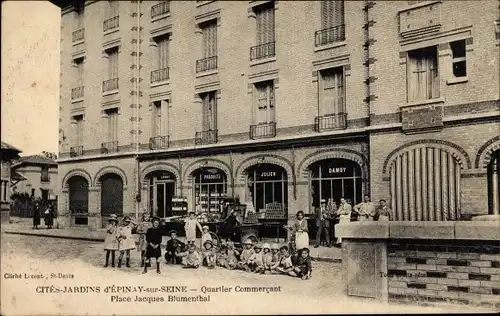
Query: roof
(35, 160)
(6, 146)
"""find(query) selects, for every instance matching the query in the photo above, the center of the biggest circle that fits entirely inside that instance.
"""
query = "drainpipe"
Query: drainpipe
(137, 102)
(368, 80)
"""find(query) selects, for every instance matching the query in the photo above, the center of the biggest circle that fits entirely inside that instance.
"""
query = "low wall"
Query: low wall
(430, 261)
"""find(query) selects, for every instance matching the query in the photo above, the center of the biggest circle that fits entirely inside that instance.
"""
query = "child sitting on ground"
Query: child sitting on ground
(222, 256)
(275, 254)
(232, 256)
(193, 259)
(267, 258)
(303, 268)
(209, 255)
(246, 253)
(284, 266)
(255, 262)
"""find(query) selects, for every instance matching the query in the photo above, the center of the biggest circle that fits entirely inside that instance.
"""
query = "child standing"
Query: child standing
(193, 259)
(267, 258)
(303, 268)
(300, 230)
(209, 255)
(125, 241)
(256, 262)
(206, 235)
(110, 242)
(142, 228)
(190, 227)
(153, 238)
(246, 253)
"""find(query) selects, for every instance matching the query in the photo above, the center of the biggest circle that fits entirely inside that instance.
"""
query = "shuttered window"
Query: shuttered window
(423, 74)
(79, 62)
(425, 185)
(160, 118)
(113, 63)
(112, 125)
(332, 91)
(209, 34)
(78, 130)
(209, 103)
(162, 52)
(265, 23)
(113, 7)
(332, 13)
(264, 99)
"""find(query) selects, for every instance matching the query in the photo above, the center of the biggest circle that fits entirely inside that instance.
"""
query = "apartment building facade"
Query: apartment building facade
(40, 177)
(280, 103)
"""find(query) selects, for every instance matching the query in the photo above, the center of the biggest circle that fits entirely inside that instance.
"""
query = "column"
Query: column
(451, 186)
(425, 212)
(404, 178)
(430, 179)
(399, 189)
(437, 185)
(495, 189)
(411, 187)
(444, 182)
(418, 186)
(95, 207)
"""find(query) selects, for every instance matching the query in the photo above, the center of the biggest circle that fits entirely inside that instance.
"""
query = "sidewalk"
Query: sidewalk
(23, 227)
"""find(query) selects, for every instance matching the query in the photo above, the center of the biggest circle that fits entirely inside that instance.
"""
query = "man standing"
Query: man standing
(384, 212)
(322, 224)
(344, 212)
(366, 210)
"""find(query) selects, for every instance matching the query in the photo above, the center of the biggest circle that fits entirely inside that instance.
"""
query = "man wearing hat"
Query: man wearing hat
(173, 248)
(153, 238)
(125, 240)
(322, 224)
(111, 242)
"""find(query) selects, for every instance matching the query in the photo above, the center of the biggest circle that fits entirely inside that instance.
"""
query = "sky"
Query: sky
(30, 75)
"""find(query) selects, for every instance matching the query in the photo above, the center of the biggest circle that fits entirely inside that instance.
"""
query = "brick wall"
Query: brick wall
(444, 271)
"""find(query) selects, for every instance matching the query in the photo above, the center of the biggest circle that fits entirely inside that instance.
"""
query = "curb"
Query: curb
(100, 239)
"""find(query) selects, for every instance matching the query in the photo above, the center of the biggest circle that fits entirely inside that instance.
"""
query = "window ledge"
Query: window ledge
(160, 83)
(76, 100)
(424, 102)
(207, 73)
(78, 42)
(202, 3)
(263, 61)
(330, 46)
(457, 80)
(160, 17)
(110, 92)
(111, 31)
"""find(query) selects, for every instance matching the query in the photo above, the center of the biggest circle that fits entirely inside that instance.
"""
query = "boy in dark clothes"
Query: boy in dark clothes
(153, 238)
(173, 248)
(303, 266)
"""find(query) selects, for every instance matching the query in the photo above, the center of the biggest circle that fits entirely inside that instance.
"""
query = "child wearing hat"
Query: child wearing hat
(256, 263)
(190, 226)
(193, 259)
(222, 256)
(173, 248)
(267, 258)
(232, 256)
(285, 265)
(246, 253)
(275, 253)
(206, 235)
(125, 240)
(209, 254)
(110, 242)
(153, 238)
(142, 228)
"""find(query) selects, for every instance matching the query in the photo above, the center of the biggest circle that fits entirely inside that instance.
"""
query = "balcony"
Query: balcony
(263, 51)
(109, 147)
(111, 24)
(110, 85)
(160, 9)
(263, 130)
(77, 93)
(206, 64)
(329, 35)
(76, 151)
(159, 75)
(330, 122)
(206, 137)
(158, 142)
(78, 35)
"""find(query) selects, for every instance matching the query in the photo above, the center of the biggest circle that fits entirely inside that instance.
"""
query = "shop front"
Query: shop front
(209, 190)
(267, 185)
(161, 189)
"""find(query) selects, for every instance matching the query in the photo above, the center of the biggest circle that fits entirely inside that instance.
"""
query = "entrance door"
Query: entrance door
(163, 200)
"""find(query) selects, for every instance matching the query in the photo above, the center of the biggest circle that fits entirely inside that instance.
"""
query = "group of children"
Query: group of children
(258, 258)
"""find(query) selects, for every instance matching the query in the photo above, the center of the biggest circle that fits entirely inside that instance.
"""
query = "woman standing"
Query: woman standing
(111, 242)
(36, 215)
(300, 230)
(142, 228)
(49, 217)
(125, 240)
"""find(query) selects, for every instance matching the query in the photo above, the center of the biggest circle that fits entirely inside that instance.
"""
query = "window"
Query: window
(160, 118)
(332, 14)
(79, 71)
(209, 103)
(44, 174)
(209, 38)
(423, 74)
(265, 32)
(112, 82)
(78, 130)
(332, 91)
(459, 58)
(160, 9)
(78, 30)
(112, 14)
(112, 125)
(264, 100)
(160, 59)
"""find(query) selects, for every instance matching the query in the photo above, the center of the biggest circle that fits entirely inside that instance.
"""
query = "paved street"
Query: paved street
(27, 254)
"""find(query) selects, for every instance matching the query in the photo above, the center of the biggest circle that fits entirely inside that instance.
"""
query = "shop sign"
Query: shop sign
(212, 175)
(267, 175)
(337, 170)
(166, 176)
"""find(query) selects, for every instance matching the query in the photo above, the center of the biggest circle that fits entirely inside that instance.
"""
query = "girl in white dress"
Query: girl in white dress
(126, 241)
(190, 227)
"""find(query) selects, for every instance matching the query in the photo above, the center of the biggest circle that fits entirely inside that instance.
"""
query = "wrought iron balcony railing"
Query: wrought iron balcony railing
(76, 151)
(159, 75)
(110, 85)
(206, 137)
(263, 51)
(330, 122)
(77, 93)
(263, 130)
(206, 64)
(159, 142)
(109, 147)
(330, 35)
(78, 35)
(160, 9)
(111, 24)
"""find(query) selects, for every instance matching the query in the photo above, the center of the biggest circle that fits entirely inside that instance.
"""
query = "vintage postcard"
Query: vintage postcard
(250, 157)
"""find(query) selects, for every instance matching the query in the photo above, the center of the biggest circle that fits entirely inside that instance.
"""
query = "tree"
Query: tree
(52, 156)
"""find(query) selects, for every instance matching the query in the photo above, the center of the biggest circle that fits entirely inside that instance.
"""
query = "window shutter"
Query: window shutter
(265, 23)
(212, 110)
(338, 13)
(324, 14)
(340, 105)
(214, 40)
(271, 107)
(259, 27)
(205, 112)
(270, 26)
(328, 92)
(163, 53)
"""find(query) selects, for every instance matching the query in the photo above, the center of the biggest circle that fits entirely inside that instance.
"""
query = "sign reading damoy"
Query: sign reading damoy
(336, 170)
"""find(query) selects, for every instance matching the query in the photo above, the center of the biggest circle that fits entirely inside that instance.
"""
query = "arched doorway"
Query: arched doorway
(267, 183)
(79, 200)
(161, 188)
(209, 190)
(334, 179)
(111, 196)
(494, 183)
